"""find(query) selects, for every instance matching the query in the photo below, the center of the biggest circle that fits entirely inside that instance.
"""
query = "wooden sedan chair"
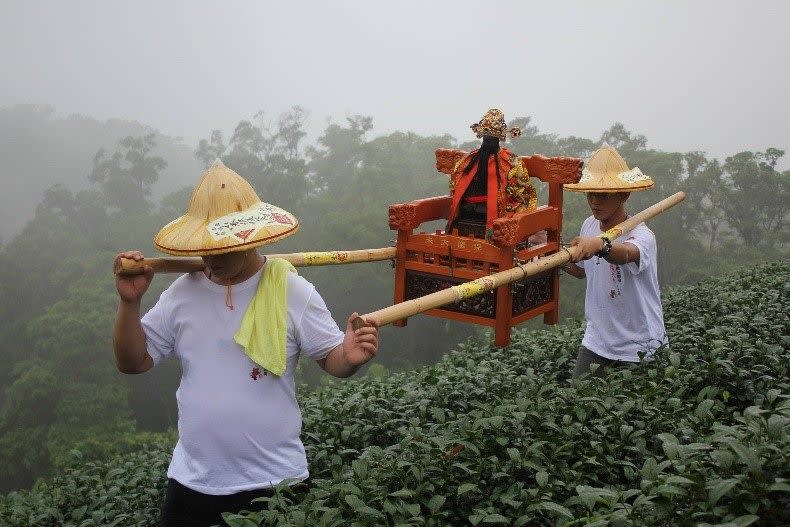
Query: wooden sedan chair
(428, 262)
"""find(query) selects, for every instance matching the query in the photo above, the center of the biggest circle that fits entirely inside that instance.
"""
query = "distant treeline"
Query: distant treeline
(59, 390)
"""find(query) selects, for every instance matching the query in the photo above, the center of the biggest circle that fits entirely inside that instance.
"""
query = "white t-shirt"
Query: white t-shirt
(623, 303)
(238, 425)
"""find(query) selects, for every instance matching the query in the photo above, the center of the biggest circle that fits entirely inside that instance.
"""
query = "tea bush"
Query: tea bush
(124, 491)
(499, 437)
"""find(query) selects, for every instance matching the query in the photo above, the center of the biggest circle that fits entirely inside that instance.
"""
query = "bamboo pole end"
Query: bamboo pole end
(358, 323)
(127, 267)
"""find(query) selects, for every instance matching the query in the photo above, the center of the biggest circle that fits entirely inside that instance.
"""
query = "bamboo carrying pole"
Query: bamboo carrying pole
(390, 314)
(127, 266)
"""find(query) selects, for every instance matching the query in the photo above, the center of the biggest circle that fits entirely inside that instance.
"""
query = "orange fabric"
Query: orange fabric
(495, 184)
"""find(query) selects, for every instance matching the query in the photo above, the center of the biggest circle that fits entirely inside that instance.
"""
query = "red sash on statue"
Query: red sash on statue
(494, 185)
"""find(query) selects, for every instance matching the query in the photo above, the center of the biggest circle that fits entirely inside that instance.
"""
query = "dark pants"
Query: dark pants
(586, 358)
(185, 507)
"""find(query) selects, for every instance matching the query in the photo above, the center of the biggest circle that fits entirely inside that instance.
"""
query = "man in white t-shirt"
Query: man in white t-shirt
(238, 423)
(622, 307)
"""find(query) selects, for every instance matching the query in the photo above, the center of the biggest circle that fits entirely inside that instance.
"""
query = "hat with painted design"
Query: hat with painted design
(224, 215)
(607, 171)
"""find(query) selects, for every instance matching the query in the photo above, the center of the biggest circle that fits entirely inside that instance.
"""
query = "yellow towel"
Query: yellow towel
(263, 328)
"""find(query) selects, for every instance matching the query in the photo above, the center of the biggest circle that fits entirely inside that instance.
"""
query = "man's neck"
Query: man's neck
(616, 218)
(253, 266)
(256, 262)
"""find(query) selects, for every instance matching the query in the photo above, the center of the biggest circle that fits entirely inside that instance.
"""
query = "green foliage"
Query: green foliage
(60, 389)
(266, 155)
(126, 176)
(67, 382)
(700, 436)
(41, 148)
(25, 418)
(124, 491)
(757, 199)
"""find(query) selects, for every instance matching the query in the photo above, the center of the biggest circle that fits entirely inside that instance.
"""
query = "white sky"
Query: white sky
(707, 75)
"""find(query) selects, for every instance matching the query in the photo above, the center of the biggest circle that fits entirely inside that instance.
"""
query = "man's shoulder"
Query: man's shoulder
(641, 231)
(299, 289)
(185, 282)
(589, 225)
(295, 280)
(183, 286)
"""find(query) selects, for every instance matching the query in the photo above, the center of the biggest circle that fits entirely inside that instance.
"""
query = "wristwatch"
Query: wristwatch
(606, 249)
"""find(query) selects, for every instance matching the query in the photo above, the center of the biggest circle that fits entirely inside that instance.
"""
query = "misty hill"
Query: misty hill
(40, 149)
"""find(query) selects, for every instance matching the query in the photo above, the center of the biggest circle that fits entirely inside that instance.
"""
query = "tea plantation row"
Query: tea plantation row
(499, 437)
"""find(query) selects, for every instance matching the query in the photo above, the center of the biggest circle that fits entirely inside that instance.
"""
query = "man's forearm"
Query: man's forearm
(623, 253)
(128, 339)
(335, 364)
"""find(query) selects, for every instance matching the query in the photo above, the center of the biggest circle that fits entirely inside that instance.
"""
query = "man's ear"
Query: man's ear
(625, 196)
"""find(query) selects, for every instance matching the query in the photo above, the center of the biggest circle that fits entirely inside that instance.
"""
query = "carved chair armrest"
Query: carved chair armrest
(517, 228)
(553, 169)
(409, 216)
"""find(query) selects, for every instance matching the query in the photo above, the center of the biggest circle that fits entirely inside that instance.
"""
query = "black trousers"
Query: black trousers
(185, 507)
(587, 358)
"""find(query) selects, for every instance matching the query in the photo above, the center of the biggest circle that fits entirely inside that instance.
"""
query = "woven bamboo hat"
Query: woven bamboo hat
(224, 215)
(607, 171)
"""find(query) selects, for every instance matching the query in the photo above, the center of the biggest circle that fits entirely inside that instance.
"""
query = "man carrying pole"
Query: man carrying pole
(238, 326)
(625, 322)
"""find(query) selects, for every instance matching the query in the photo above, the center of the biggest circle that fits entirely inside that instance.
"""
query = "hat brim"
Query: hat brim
(632, 180)
(576, 187)
(261, 224)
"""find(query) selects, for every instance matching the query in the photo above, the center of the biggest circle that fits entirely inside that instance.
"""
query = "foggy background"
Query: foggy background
(701, 75)
(108, 113)
(704, 75)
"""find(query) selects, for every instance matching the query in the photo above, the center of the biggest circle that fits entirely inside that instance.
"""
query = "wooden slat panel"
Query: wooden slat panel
(532, 313)
(444, 271)
(461, 317)
(538, 250)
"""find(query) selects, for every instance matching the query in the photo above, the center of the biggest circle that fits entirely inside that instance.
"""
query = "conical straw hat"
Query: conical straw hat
(224, 215)
(607, 171)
